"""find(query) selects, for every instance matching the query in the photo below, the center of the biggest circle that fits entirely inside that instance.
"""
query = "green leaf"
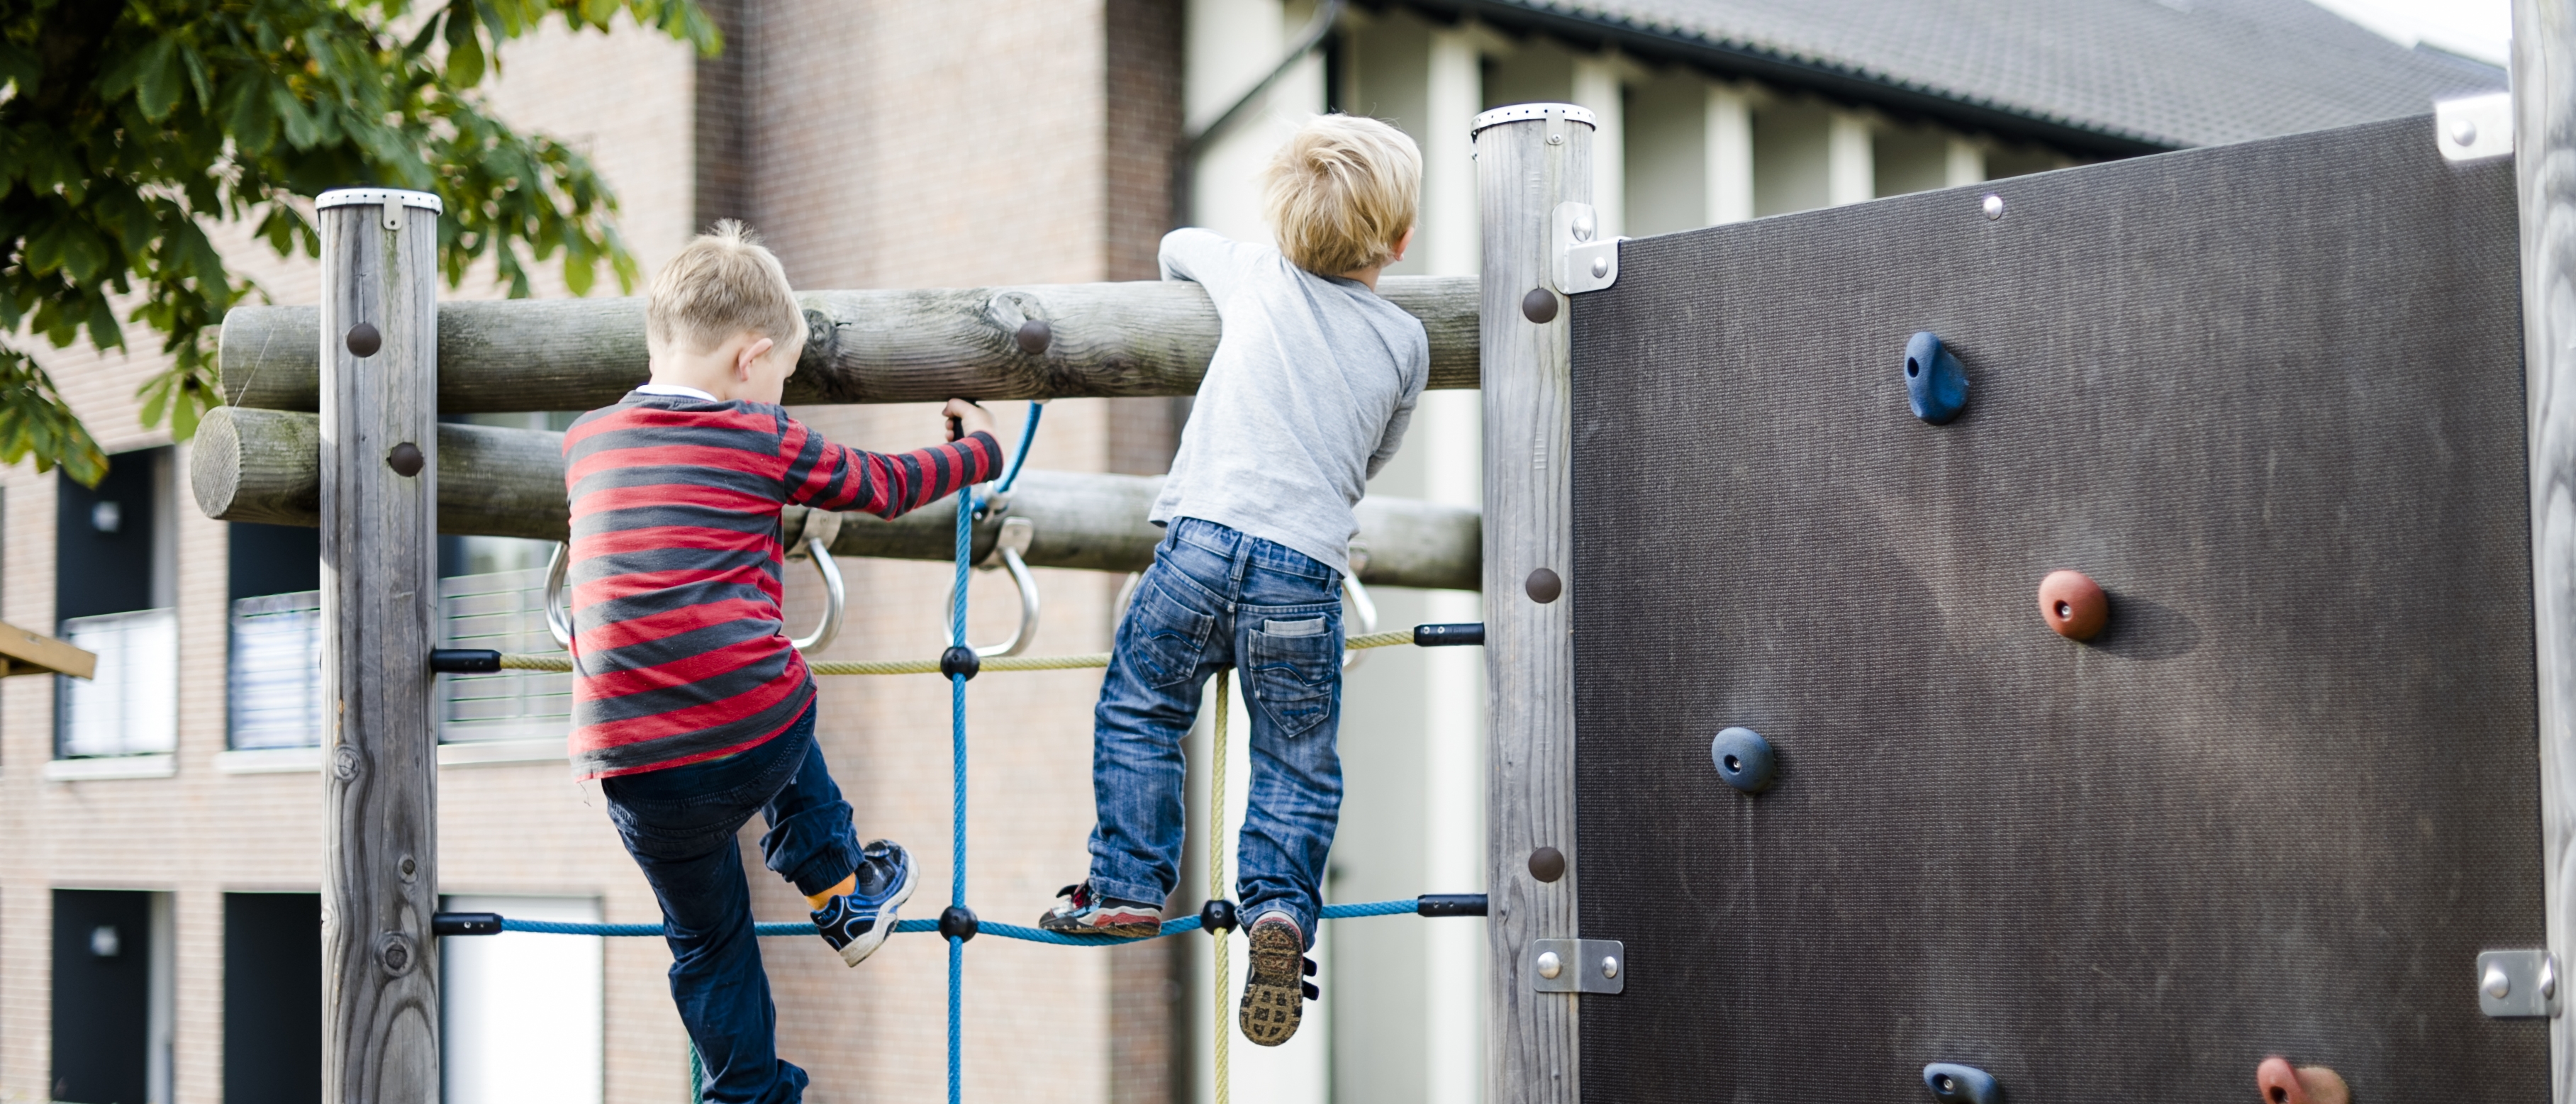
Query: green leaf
(158, 79)
(36, 424)
(249, 117)
(197, 78)
(301, 130)
(464, 54)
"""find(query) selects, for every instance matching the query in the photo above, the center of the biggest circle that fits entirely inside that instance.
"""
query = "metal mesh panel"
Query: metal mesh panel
(2269, 396)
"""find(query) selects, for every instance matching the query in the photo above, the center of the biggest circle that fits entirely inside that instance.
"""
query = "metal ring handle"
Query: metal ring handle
(559, 620)
(1027, 633)
(1358, 597)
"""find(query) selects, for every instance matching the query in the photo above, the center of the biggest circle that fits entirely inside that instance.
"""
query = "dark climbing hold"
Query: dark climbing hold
(1956, 1084)
(1547, 864)
(1935, 384)
(1543, 586)
(1743, 759)
(1216, 916)
(960, 660)
(1035, 335)
(363, 340)
(1539, 306)
(405, 459)
(957, 922)
(2073, 604)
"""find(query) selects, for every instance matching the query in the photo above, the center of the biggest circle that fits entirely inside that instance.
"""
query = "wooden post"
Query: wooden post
(1529, 158)
(379, 495)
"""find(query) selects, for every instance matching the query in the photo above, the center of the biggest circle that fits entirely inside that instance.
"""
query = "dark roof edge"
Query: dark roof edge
(1772, 67)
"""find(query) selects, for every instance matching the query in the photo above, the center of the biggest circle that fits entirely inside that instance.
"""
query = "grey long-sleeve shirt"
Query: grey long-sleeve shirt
(1308, 394)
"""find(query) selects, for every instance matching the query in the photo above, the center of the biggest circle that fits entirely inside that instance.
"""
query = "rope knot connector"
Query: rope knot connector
(960, 660)
(957, 922)
(1217, 915)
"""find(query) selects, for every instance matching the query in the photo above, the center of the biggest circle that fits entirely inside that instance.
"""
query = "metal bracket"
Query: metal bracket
(392, 199)
(1016, 535)
(2474, 128)
(1582, 262)
(1578, 965)
(2517, 983)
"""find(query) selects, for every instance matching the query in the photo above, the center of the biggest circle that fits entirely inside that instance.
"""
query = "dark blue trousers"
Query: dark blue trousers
(679, 824)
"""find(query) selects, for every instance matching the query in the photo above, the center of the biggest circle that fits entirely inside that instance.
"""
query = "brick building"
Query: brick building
(156, 905)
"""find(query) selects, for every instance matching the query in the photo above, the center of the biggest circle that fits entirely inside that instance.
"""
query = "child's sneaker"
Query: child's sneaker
(1079, 912)
(1274, 997)
(857, 923)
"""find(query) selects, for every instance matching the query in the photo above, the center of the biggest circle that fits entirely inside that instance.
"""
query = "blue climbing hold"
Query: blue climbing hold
(1743, 759)
(1935, 383)
(1957, 1084)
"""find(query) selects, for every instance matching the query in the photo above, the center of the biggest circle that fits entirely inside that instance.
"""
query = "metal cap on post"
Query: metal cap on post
(1530, 158)
(379, 492)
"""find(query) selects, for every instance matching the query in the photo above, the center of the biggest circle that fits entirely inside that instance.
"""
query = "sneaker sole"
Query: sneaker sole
(858, 950)
(1274, 996)
(1140, 930)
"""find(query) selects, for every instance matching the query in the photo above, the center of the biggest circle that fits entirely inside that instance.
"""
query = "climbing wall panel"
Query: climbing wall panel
(2270, 397)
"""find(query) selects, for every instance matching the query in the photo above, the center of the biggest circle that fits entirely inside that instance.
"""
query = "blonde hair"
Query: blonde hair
(1341, 193)
(723, 283)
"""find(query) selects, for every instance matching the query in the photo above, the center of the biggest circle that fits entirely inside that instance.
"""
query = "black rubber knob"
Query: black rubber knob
(405, 459)
(464, 661)
(1446, 636)
(957, 922)
(1034, 336)
(960, 660)
(1539, 306)
(1546, 864)
(1543, 586)
(1217, 915)
(363, 340)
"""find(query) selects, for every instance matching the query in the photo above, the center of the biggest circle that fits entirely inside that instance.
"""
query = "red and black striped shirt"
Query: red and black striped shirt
(680, 651)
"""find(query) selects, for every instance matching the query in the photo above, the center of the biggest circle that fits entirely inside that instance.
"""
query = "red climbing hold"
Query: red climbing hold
(2280, 1084)
(2073, 604)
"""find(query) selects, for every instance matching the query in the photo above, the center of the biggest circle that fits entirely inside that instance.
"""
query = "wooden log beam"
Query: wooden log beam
(2544, 150)
(262, 466)
(1527, 162)
(1098, 340)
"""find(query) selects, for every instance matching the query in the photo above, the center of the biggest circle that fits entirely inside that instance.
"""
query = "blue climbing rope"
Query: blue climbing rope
(957, 774)
(1028, 433)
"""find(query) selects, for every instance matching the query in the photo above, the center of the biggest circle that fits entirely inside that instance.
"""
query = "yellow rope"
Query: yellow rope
(1216, 871)
(558, 661)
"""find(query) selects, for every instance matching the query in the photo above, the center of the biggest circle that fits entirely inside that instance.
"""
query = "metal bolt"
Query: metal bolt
(2496, 984)
(1600, 267)
(363, 340)
(2464, 131)
(405, 459)
(1549, 966)
(1993, 206)
(1583, 228)
(1556, 139)
(1609, 966)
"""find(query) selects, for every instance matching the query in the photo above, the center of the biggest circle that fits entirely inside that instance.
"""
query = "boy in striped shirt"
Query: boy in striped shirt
(688, 701)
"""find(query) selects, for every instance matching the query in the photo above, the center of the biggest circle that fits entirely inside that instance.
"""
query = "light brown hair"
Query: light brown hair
(723, 283)
(1342, 192)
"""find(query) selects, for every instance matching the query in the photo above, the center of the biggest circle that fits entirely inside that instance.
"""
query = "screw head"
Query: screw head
(2496, 984)
(2464, 131)
(1549, 965)
(1992, 205)
(1609, 966)
(1583, 228)
(1556, 139)
(1600, 267)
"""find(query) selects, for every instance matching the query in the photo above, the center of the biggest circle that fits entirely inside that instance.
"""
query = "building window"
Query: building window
(503, 611)
(113, 997)
(272, 1010)
(115, 583)
(276, 628)
(523, 1014)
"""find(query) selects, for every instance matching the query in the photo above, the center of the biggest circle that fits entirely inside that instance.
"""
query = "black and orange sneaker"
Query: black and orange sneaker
(1274, 997)
(1078, 911)
(857, 923)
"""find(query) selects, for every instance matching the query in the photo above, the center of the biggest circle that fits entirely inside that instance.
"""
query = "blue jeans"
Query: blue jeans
(679, 824)
(1214, 599)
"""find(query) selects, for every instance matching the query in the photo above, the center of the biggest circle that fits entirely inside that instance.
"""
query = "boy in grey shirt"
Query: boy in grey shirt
(1307, 396)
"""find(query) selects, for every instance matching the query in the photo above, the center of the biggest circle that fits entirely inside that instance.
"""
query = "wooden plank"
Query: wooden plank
(1104, 340)
(2544, 142)
(1523, 170)
(379, 584)
(28, 652)
(264, 466)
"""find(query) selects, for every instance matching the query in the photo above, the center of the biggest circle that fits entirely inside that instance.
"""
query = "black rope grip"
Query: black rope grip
(960, 660)
(1449, 904)
(1217, 915)
(465, 923)
(958, 922)
(1445, 636)
(464, 661)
